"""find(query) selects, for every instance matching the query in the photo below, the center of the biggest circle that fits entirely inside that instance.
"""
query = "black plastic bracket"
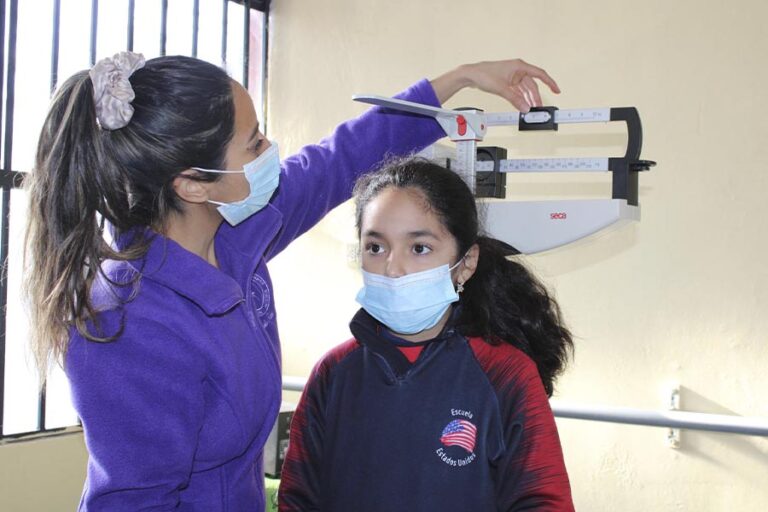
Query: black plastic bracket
(491, 183)
(524, 126)
(625, 170)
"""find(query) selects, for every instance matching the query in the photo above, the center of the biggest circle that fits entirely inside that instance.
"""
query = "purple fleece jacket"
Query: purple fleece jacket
(177, 409)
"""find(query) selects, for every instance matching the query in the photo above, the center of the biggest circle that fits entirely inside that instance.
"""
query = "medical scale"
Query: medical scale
(535, 226)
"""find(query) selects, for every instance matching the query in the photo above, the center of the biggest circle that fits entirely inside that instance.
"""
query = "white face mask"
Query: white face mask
(411, 303)
(263, 175)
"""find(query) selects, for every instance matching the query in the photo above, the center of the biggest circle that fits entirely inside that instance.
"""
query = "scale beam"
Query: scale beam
(535, 226)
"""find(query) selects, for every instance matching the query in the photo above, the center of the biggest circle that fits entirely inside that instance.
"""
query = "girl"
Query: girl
(439, 402)
(168, 335)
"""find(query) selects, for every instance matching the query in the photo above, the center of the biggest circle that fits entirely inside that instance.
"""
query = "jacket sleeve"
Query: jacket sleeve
(530, 473)
(300, 476)
(140, 401)
(321, 176)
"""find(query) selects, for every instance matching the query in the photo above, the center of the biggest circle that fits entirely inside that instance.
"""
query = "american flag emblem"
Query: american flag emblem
(460, 433)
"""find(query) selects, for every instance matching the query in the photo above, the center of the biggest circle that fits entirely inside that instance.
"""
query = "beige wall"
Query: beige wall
(45, 475)
(681, 297)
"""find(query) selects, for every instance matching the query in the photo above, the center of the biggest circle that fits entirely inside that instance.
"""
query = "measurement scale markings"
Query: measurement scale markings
(547, 165)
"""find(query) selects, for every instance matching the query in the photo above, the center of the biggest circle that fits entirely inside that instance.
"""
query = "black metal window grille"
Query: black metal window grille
(71, 35)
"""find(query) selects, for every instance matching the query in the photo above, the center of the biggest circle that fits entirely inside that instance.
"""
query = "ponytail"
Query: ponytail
(73, 183)
(504, 302)
(87, 176)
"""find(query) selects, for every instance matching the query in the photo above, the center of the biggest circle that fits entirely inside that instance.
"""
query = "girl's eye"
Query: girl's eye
(373, 248)
(421, 249)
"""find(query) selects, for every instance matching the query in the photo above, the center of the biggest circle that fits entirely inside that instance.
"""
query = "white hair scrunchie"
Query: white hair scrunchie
(112, 92)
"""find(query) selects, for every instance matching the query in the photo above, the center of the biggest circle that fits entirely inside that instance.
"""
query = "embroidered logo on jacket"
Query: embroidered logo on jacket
(262, 299)
(458, 438)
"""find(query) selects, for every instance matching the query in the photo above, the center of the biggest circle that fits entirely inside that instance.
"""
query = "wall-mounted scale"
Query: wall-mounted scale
(536, 226)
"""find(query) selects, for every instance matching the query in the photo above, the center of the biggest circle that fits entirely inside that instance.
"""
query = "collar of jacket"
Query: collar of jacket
(366, 331)
(214, 291)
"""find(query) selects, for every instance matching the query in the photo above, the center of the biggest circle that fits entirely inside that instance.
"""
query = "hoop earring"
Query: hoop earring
(460, 287)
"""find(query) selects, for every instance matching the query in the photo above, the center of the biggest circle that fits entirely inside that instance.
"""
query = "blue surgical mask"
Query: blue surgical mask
(263, 175)
(411, 303)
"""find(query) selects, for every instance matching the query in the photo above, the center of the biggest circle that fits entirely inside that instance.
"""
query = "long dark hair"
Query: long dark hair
(85, 175)
(503, 301)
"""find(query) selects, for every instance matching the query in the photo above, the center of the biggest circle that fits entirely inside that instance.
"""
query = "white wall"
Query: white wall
(680, 297)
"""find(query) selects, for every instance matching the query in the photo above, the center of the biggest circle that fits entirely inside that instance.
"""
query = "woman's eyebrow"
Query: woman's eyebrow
(255, 132)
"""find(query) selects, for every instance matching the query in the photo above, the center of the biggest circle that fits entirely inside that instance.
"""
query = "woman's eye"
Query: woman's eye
(374, 249)
(256, 146)
(421, 249)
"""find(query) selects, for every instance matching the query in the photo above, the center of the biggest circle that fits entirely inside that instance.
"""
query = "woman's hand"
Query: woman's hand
(512, 79)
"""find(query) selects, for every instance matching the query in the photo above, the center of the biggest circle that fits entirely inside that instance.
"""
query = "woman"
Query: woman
(439, 402)
(168, 334)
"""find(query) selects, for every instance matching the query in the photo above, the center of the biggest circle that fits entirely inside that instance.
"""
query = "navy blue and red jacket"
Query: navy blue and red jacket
(466, 427)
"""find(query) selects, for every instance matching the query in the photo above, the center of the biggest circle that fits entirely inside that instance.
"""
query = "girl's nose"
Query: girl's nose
(394, 268)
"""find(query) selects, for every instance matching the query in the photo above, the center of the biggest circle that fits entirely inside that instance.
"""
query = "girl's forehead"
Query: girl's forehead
(405, 208)
(395, 201)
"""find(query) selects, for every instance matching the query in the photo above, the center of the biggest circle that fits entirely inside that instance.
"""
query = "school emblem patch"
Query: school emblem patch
(261, 299)
(458, 438)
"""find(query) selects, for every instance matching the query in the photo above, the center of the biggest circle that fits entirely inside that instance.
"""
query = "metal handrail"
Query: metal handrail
(671, 419)
(630, 416)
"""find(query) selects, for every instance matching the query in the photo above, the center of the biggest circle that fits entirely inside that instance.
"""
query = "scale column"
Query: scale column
(466, 159)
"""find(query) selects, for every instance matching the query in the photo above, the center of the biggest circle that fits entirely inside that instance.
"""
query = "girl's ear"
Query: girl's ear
(469, 264)
(190, 190)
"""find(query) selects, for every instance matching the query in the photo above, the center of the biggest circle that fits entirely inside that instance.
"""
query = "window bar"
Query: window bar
(7, 163)
(2, 281)
(41, 399)
(224, 21)
(41, 408)
(246, 40)
(131, 16)
(55, 44)
(94, 29)
(264, 55)
(195, 25)
(163, 26)
(2, 95)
